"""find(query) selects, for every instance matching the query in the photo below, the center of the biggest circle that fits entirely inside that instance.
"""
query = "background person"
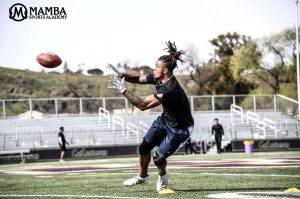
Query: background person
(217, 131)
(62, 143)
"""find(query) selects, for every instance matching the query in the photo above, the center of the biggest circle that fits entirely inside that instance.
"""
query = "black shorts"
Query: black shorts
(167, 138)
(63, 148)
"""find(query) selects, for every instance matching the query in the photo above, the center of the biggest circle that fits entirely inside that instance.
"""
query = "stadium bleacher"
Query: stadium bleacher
(107, 129)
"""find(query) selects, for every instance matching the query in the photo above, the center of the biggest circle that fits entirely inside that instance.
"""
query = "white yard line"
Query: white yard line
(238, 174)
(254, 195)
(76, 196)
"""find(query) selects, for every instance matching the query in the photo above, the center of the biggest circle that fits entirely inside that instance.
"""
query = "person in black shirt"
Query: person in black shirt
(218, 131)
(169, 131)
(62, 143)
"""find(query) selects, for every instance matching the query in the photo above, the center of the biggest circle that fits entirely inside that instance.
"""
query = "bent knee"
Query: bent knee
(159, 159)
(144, 148)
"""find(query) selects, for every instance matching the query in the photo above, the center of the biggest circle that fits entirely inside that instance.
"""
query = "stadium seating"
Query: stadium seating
(109, 129)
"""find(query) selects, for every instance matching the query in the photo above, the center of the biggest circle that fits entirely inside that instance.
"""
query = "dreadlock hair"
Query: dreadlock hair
(174, 55)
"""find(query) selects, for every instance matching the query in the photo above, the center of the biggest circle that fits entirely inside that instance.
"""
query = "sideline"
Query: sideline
(76, 196)
(255, 195)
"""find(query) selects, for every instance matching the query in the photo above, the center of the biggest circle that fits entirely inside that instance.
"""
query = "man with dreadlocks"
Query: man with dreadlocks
(170, 130)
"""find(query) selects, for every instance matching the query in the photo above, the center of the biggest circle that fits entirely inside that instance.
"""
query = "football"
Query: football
(48, 60)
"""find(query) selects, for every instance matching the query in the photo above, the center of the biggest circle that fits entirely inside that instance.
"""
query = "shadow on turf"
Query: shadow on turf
(230, 189)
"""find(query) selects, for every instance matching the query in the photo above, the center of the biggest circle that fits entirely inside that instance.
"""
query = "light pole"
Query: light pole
(297, 57)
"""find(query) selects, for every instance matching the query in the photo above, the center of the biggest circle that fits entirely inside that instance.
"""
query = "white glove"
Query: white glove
(113, 68)
(212, 137)
(117, 84)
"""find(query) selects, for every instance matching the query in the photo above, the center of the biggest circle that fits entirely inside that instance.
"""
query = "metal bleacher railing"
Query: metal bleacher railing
(55, 107)
(254, 119)
(117, 123)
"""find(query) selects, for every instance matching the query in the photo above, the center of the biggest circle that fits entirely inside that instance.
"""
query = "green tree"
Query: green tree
(246, 60)
(216, 76)
(225, 47)
(282, 48)
(66, 68)
(95, 71)
(271, 64)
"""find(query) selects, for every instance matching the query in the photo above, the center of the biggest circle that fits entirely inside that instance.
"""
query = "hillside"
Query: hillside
(15, 84)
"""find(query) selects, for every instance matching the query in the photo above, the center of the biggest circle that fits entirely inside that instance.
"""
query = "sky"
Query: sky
(97, 32)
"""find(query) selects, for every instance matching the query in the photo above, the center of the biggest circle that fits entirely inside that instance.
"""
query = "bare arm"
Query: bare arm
(142, 104)
(132, 78)
(136, 79)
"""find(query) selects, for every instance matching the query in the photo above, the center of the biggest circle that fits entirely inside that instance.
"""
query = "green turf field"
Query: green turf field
(193, 176)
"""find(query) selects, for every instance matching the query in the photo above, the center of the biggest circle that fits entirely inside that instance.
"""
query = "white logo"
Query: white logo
(160, 95)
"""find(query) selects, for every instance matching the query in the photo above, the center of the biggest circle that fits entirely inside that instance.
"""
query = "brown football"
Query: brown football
(48, 60)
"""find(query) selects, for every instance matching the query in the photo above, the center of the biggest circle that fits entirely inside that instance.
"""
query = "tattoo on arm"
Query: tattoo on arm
(135, 100)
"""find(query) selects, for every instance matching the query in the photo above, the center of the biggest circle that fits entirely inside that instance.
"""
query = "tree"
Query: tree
(282, 48)
(192, 58)
(95, 71)
(143, 69)
(246, 60)
(75, 85)
(215, 76)
(273, 63)
(66, 68)
(225, 45)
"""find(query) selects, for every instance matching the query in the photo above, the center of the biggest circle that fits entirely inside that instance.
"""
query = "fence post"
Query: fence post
(213, 103)
(275, 103)
(56, 108)
(4, 112)
(80, 106)
(192, 104)
(126, 106)
(103, 103)
(254, 102)
(30, 108)
(233, 99)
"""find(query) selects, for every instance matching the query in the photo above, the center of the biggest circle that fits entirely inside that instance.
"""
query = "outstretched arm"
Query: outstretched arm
(142, 104)
(136, 79)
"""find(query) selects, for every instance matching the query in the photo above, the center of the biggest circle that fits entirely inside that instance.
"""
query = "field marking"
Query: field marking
(49, 176)
(193, 173)
(239, 174)
(225, 174)
(254, 195)
(76, 196)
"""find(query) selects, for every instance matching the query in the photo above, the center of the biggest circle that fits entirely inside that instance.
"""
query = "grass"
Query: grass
(186, 182)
